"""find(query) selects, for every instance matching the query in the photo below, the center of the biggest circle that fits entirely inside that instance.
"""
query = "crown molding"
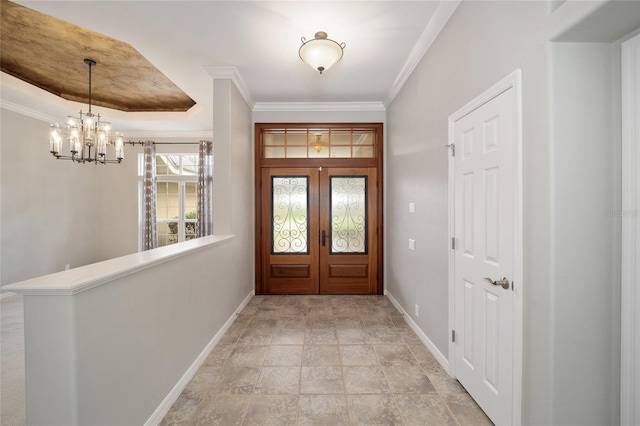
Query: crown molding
(436, 24)
(231, 73)
(29, 112)
(318, 106)
(130, 134)
(169, 134)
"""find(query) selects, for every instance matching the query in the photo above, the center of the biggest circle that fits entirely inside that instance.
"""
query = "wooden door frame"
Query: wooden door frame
(261, 163)
(513, 80)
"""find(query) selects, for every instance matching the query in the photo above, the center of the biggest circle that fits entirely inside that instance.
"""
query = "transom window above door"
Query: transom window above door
(296, 142)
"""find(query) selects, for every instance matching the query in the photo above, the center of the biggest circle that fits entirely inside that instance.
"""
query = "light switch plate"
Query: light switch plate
(412, 244)
(412, 207)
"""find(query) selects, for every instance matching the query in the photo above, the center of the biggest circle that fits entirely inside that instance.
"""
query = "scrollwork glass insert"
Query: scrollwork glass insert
(290, 220)
(348, 214)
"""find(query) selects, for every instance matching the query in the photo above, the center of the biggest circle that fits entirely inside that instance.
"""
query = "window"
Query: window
(177, 202)
(177, 205)
(344, 142)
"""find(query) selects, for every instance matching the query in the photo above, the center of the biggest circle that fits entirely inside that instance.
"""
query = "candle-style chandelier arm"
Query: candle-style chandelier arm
(88, 140)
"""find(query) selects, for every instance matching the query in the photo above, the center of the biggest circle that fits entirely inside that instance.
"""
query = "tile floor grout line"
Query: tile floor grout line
(455, 418)
(380, 318)
(344, 384)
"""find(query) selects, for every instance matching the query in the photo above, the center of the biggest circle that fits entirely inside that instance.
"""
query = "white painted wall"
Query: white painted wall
(233, 177)
(482, 43)
(571, 293)
(118, 206)
(165, 319)
(89, 366)
(118, 197)
(56, 213)
(241, 184)
(49, 213)
(585, 138)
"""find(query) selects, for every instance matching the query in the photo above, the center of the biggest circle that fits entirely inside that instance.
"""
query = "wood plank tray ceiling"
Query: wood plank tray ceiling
(48, 53)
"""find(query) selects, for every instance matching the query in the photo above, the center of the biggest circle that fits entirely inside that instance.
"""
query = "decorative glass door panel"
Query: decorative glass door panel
(321, 226)
(290, 214)
(348, 214)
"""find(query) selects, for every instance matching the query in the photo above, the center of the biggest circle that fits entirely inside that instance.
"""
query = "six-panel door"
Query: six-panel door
(484, 254)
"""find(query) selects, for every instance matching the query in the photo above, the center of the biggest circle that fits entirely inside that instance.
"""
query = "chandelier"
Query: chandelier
(321, 53)
(318, 145)
(88, 137)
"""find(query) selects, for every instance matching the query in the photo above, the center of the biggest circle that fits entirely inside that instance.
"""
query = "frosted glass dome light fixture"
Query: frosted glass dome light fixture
(321, 52)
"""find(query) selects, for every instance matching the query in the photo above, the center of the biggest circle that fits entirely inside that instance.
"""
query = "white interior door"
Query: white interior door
(484, 261)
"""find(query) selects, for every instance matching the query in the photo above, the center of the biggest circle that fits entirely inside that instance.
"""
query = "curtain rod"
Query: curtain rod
(164, 143)
(176, 143)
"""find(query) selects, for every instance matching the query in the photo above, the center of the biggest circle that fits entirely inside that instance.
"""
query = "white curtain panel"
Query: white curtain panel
(150, 237)
(205, 191)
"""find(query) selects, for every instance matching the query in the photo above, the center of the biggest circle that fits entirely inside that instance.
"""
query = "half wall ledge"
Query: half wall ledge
(76, 280)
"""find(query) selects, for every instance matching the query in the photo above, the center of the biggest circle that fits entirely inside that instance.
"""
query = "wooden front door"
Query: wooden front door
(319, 230)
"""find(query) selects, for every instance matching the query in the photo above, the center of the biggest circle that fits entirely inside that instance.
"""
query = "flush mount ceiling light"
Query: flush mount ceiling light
(87, 135)
(321, 53)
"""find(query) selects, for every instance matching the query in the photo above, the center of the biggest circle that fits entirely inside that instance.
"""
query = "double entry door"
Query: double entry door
(319, 230)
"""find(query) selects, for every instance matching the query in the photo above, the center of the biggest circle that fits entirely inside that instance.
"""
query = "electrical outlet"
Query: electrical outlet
(412, 207)
(412, 244)
(67, 267)
(417, 310)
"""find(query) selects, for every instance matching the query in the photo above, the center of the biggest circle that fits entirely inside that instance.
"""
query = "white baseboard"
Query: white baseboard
(444, 362)
(173, 395)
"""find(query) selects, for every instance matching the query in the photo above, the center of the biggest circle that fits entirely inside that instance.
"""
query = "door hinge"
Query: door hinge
(453, 335)
(453, 243)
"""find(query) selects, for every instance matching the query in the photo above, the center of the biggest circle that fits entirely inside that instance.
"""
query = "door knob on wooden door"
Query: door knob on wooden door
(504, 282)
(324, 238)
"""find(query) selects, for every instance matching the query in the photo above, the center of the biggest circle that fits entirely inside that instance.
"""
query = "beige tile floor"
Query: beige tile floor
(322, 360)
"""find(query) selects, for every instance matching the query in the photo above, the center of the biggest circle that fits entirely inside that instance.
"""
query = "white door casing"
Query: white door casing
(630, 291)
(485, 224)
